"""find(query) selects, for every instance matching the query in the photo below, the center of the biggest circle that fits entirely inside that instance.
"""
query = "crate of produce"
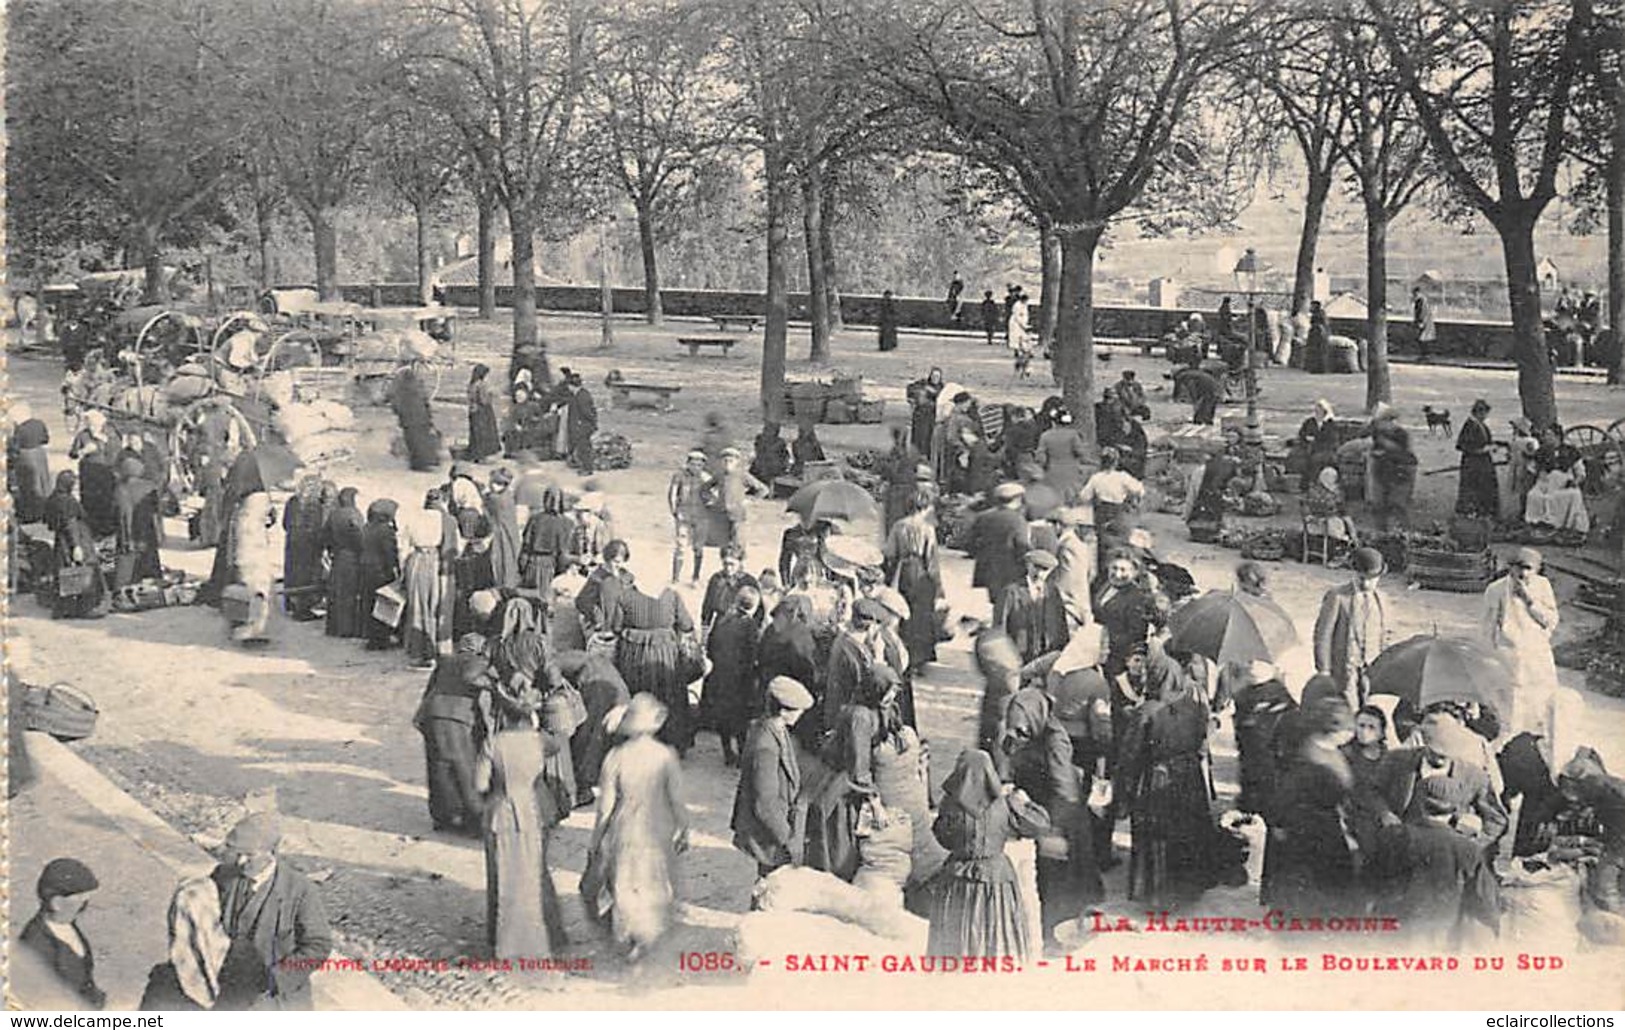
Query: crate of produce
(1459, 572)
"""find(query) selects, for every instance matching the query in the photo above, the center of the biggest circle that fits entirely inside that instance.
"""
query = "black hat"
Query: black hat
(65, 876)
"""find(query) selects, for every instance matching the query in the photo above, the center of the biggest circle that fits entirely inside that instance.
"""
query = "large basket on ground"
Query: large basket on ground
(64, 712)
(1459, 572)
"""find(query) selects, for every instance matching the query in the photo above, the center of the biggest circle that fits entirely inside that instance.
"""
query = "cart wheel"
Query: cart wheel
(1617, 430)
(1603, 453)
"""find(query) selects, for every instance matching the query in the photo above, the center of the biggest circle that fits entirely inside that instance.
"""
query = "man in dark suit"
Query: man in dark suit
(999, 542)
(764, 816)
(1352, 626)
(580, 422)
(1477, 813)
(272, 914)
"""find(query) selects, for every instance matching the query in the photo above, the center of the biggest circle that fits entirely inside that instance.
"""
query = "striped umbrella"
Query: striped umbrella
(1233, 626)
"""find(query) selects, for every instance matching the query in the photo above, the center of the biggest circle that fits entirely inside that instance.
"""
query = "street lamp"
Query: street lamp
(1248, 272)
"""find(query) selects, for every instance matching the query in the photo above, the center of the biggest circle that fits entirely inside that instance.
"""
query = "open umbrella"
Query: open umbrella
(1429, 668)
(833, 499)
(1233, 626)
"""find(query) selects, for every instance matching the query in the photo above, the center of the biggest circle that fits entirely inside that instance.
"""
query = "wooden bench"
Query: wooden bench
(647, 395)
(749, 322)
(694, 343)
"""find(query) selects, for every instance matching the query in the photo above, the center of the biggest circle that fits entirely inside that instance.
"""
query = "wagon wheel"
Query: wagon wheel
(237, 319)
(1603, 453)
(149, 344)
(432, 372)
(188, 440)
(298, 349)
(1617, 430)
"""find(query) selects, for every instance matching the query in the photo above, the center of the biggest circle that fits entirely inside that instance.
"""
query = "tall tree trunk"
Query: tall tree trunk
(524, 282)
(1616, 226)
(425, 287)
(1378, 386)
(485, 262)
(826, 250)
(1535, 387)
(1075, 331)
(606, 292)
(262, 242)
(653, 312)
(1314, 212)
(775, 334)
(812, 214)
(325, 233)
(1049, 288)
(154, 288)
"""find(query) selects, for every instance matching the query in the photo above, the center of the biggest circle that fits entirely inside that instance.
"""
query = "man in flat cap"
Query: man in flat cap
(1020, 609)
(766, 820)
(999, 541)
(272, 914)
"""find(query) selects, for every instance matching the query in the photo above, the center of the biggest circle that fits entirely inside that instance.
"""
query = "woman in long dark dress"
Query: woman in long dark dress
(788, 648)
(411, 404)
(341, 539)
(28, 470)
(1308, 867)
(976, 906)
(922, 398)
(140, 526)
(74, 547)
(1162, 786)
(522, 914)
(731, 696)
(379, 567)
(503, 512)
(97, 453)
(549, 539)
(650, 656)
(888, 322)
(483, 437)
(303, 519)
(913, 565)
(1478, 492)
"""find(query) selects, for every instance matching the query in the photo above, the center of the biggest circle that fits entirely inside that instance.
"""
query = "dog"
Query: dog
(1437, 419)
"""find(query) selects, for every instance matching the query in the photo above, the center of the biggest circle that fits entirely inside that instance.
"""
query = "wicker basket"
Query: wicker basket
(1456, 572)
(64, 712)
(1470, 532)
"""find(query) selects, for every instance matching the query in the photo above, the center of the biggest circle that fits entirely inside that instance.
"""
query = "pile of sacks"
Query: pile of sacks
(795, 905)
(396, 345)
(314, 430)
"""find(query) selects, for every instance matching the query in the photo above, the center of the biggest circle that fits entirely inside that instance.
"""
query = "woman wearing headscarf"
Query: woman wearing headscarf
(548, 542)
(243, 478)
(922, 399)
(74, 548)
(97, 452)
(195, 978)
(976, 906)
(1308, 866)
(1162, 786)
(449, 718)
(913, 566)
(503, 513)
(379, 567)
(522, 914)
(28, 470)
(303, 519)
(140, 525)
(1318, 440)
(418, 538)
(411, 403)
(651, 655)
(483, 439)
(341, 541)
(64, 888)
(642, 827)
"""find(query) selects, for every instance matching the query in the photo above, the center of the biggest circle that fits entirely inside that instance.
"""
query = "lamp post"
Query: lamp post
(1248, 271)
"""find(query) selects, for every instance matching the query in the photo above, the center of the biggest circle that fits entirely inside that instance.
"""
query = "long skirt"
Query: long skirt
(421, 620)
(422, 446)
(648, 661)
(448, 752)
(344, 611)
(302, 572)
(96, 486)
(976, 910)
(1561, 507)
(638, 874)
(1172, 835)
(921, 590)
(522, 916)
(1479, 492)
(483, 438)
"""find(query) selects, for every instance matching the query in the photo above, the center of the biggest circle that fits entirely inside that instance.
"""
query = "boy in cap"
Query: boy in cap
(64, 889)
(271, 912)
(686, 498)
(1020, 609)
(734, 484)
(999, 541)
(766, 820)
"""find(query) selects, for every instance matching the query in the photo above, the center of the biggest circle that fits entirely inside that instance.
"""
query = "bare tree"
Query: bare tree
(509, 73)
(1078, 103)
(1492, 85)
(1386, 152)
(654, 113)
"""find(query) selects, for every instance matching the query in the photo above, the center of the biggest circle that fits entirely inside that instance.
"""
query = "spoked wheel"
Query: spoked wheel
(212, 424)
(1617, 430)
(1602, 452)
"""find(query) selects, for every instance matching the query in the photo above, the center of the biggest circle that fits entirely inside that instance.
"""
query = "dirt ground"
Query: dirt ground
(191, 724)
